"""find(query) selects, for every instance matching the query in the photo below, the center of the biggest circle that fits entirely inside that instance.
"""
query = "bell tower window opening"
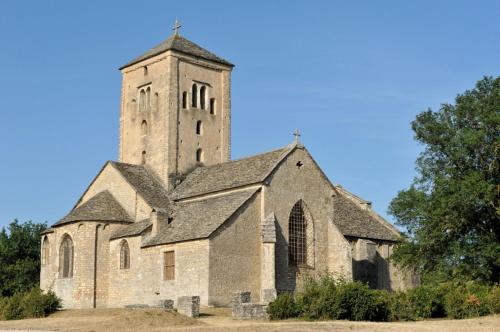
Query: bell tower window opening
(203, 92)
(199, 155)
(148, 98)
(199, 128)
(142, 99)
(184, 99)
(143, 158)
(212, 106)
(194, 96)
(144, 128)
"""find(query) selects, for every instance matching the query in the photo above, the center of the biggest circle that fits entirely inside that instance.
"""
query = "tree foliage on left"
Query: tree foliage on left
(20, 257)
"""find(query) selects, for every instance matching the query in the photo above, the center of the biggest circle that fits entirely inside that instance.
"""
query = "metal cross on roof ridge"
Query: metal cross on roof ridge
(176, 27)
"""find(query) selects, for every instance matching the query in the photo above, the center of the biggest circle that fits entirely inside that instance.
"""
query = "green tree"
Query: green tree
(451, 210)
(20, 257)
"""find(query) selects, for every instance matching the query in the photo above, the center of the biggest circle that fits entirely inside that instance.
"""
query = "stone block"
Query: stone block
(167, 304)
(189, 306)
(268, 295)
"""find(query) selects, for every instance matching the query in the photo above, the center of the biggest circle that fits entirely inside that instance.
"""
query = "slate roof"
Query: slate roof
(179, 44)
(145, 182)
(199, 219)
(137, 228)
(101, 207)
(230, 174)
(352, 220)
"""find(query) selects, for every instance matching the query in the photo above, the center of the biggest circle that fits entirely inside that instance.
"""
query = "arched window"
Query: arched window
(143, 158)
(45, 251)
(203, 91)
(300, 236)
(145, 70)
(199, 155)
(124, 255)
(156, 102)
(212, 106)
(66, 257)
(144, 128)
(142, 100)
(184, 99)
(194, 96)
(199, 128)
(148, 98)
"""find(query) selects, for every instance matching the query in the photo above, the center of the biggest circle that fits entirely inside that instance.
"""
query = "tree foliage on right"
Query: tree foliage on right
(451, 211)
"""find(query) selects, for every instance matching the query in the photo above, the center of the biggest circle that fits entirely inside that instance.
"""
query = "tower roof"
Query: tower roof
(180, 44)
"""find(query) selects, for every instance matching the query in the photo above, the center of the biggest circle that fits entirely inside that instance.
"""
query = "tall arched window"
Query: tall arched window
(45, 251)
(184, 99)
(194, 96)
(203, 92)
(300, 236)
(148, 98)
(199, 128)
(142, 100)
(66, 257)
(124, 255)
(199, 155)
(143, 158)
(144, 128)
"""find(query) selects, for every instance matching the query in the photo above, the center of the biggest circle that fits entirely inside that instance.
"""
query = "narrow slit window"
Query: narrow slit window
(144, 128)
(124, 256)
(212, 106)
(194, 96)
(184, 100)
(45, 251)
(199, 128)
(143, 158)
(199, 156)
(203, 92)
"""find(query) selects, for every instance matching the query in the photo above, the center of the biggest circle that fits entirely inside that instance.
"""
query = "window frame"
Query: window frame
(169, 265)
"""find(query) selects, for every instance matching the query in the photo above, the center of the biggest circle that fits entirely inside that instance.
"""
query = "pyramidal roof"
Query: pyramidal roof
(182, 45)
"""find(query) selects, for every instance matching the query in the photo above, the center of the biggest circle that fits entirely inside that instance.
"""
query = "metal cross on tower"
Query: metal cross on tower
(176, 27)
(296, 133)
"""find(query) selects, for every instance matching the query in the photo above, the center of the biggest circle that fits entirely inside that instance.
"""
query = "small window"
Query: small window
(184, 99)
(142, 99)
(194, 96)
(143, 158)
(145, 70)
(199, 128)
(45, 251)
(169, 265)
(144, 128)
(66, 257)
(199, 155)
(148, 98)
(212, 106)
(156, 101)
(203, 91)
(124, 256)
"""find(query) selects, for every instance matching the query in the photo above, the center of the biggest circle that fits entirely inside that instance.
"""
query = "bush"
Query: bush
(283, 307)
(32, 304)
(400, 307)
(467, 300)
(493, 299)
(427, 301)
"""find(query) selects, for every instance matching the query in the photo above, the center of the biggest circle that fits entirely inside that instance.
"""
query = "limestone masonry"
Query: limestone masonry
(176, 222)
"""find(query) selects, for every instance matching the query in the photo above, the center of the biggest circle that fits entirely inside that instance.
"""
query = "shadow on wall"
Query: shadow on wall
(286, 276)
(372, 270)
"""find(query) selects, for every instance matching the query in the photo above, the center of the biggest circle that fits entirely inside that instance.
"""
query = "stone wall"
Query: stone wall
(143, 283)
(243, 308)
(235, 254)
(297, 178)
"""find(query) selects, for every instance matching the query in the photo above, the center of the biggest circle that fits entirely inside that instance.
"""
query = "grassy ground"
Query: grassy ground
(219, 319)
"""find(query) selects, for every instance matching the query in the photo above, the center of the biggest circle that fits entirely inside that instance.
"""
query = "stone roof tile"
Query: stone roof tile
(101, 207)
(353, 220)
(179, 44)
(230, 174)
(199, 219)
(134, 229)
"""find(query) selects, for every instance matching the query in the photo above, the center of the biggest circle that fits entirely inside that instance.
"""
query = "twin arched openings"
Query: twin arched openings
(202, 98)
(300, 236)
(66, 253)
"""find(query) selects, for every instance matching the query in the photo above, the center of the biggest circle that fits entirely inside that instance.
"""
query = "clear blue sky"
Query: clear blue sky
(350, 74)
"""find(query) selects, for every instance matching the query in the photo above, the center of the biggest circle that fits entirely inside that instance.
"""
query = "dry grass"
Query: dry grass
(219, 319)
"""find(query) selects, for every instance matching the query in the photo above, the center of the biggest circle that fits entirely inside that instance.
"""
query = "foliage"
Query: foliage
(283, 307)
(326, 298)
(32, 304)
(19, 257)
(451, 211)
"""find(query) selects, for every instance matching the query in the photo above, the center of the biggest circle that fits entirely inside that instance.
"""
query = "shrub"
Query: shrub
(427, 301)
(283, 307)
(317, 298)
(493, 299)
(467, 300)
(356, 301)
(28, 305)
(400, 307)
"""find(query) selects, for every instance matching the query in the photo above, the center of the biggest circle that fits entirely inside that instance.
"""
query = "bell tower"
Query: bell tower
(175, 109)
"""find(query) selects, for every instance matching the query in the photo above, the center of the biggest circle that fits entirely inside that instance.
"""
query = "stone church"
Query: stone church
(175, 216)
